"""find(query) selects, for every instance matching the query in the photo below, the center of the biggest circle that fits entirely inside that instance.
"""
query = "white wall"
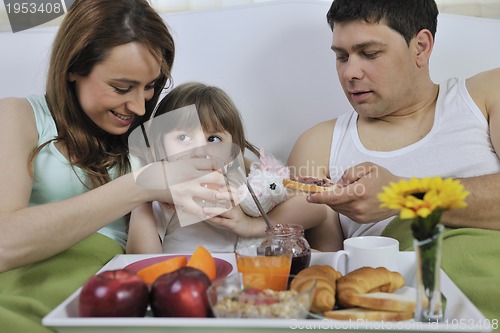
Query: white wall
(273, 59)
(465, 46)
(478, 8)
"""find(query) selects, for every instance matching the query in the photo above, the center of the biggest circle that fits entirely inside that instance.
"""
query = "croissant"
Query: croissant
(367, 280)
(324, 292)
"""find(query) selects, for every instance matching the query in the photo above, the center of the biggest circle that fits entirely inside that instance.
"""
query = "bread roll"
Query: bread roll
(366, 314)
(309, 184)
(324, 292)
(384, 301)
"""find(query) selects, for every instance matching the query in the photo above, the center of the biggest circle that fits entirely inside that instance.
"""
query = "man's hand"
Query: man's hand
(356, 193)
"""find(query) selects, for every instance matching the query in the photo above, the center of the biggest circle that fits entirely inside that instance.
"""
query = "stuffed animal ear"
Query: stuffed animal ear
(270, 163)
(266, 177)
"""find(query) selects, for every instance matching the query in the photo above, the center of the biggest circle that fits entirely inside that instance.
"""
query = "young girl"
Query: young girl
(217, 123)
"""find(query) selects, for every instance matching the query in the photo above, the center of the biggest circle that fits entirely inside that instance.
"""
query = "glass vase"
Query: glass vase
(429, 306)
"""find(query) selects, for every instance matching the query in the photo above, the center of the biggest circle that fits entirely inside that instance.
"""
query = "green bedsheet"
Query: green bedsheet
(471, 258)
(29, 293)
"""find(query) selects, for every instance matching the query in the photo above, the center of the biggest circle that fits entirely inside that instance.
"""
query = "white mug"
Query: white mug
(370, 251)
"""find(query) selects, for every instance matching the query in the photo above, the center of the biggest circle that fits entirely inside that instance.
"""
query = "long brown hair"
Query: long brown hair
(89, 31)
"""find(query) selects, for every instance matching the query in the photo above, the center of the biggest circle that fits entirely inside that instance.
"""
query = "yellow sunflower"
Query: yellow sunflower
(422, 201)
(420, 197)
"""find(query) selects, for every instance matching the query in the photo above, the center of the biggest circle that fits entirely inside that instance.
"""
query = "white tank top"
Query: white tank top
(458, 145)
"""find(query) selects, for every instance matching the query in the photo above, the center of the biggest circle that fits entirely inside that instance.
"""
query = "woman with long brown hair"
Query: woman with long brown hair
(67, 186)
(65, 153)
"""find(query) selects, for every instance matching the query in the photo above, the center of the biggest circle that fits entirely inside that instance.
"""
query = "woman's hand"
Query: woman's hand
(185, 183)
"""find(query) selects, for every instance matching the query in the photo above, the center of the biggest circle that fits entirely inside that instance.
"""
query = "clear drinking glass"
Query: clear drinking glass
(263, 266)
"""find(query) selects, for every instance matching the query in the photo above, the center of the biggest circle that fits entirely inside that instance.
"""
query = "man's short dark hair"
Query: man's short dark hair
(407, 17)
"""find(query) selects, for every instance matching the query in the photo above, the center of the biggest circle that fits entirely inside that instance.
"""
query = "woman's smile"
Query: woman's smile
(124, 119)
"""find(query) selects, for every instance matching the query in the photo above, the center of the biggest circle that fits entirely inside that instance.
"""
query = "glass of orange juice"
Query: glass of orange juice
(263, 268)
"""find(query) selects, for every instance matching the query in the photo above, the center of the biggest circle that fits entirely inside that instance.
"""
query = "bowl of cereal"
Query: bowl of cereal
(229, 298)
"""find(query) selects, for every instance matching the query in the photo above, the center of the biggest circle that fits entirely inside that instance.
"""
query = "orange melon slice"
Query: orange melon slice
(203, 260)
(151, 273)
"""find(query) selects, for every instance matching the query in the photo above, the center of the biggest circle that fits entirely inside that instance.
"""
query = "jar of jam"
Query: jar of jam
(293, 236)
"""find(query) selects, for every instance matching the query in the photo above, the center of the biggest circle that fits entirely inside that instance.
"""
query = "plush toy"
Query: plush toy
(266, 179)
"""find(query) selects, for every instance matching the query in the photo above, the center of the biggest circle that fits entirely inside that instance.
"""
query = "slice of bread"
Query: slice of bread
(383, 301)
(367, 314)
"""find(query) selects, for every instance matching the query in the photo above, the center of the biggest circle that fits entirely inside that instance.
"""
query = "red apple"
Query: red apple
(114, 293)
(181, 293)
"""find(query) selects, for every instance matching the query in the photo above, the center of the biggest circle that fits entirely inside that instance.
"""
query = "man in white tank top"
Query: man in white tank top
(403, 124)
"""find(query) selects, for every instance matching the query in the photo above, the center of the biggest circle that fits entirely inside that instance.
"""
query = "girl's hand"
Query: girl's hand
(236, 221)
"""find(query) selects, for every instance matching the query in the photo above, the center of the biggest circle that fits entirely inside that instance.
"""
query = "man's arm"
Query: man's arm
(483, 209)
(483, 204)
(310, 156)
(311, 153)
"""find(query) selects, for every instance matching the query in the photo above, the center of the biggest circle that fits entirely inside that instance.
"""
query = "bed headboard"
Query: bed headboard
(273, 59)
